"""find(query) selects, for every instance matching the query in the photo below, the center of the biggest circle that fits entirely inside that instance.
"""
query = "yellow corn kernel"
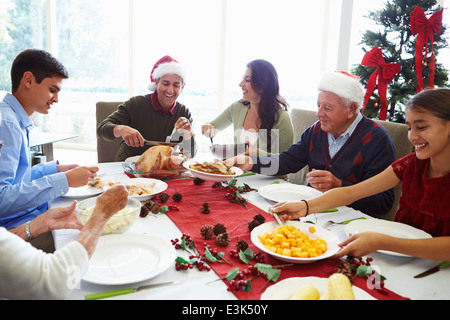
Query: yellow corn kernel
(306, 292)
(340, 287)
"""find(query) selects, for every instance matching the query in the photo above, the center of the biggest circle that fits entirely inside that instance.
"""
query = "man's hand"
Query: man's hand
(131, 136)
(323, 180)
(80, 176)
(184, 126)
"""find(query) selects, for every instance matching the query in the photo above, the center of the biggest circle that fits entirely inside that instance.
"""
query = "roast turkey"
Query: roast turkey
(159, 158)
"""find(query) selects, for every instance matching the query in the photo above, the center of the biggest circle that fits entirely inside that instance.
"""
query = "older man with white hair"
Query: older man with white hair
(342, 148)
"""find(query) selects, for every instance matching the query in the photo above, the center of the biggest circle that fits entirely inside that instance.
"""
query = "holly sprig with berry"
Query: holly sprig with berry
(354, 267)
(234, 192)
(242, 279)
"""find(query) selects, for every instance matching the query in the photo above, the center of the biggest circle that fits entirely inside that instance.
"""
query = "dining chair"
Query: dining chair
(106, 150)
(302, 119)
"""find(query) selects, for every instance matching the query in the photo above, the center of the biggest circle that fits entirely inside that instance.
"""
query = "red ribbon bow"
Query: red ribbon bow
(385, 73)
(424, 28)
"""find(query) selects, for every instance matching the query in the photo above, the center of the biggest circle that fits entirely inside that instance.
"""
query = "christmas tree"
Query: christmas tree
(398, 45)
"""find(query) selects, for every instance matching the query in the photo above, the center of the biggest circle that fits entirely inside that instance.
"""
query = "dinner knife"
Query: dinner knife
(108, 294)
(433, 270)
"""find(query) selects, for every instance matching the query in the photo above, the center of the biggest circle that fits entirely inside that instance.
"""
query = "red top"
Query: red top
(425, 202)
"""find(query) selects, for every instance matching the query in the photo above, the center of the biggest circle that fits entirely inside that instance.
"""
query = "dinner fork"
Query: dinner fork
(331, 222)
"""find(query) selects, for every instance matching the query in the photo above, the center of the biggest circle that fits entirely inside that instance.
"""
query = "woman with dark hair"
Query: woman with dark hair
(260, 117)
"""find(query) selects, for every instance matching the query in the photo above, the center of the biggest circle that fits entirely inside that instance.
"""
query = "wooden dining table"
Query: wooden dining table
(202, 285)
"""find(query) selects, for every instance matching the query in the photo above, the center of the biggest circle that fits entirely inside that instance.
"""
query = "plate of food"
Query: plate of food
(140, 188)
(288, 192)
(216, 170)
(158, 162)
(391, 228)
(288, 288)
(83, 192)
(129, 258)
(295, 242)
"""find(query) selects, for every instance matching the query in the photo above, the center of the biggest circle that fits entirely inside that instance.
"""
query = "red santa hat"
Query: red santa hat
(165, 65)
(343, 84)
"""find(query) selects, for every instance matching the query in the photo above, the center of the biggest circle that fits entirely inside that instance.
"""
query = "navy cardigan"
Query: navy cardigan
(368, 151)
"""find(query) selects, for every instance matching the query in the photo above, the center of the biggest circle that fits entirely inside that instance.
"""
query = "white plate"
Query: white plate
(82, 192)
(391, 228)
(128, 258)
(288, 192)
(283, 289)
(322, 233)
(213, 177)
(159, 187)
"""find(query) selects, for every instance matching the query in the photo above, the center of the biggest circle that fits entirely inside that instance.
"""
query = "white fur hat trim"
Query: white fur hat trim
(344, 85)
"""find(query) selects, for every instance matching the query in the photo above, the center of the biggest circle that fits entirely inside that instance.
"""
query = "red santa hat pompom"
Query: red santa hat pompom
(343, 84)
(165, 65)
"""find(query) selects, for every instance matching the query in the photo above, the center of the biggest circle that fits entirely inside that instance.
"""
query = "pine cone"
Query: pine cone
(163, 197)
(253, 224)
(198, 181)
(219, 228)
(260, 218)
(177, 197)
(223, 239)
(241, 245)
(257, 220)
(205, 208)
(144, 212)
(206, 231)
(152, 206)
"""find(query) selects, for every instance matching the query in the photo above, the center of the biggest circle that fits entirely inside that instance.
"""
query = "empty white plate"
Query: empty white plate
(128, 258)
(288, 192)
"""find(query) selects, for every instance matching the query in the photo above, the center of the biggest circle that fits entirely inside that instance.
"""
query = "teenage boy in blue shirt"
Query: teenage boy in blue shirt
(25, 191)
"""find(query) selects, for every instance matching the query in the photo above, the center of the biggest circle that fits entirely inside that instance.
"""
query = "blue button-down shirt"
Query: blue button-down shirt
(335, 144)
(24, 191)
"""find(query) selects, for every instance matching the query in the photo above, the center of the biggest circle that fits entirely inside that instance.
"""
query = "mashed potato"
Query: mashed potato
(117, 223)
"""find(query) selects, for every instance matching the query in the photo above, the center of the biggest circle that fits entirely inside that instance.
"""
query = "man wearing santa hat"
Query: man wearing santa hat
(342, 148)
(154, 116)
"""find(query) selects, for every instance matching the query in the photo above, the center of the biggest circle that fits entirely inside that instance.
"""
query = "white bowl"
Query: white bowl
(330, 238)
(118, 223)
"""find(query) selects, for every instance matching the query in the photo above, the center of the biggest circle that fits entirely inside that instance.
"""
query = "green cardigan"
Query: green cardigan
(235, 114)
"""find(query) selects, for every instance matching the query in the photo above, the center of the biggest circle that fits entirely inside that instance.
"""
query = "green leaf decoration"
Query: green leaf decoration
(232, 274)
(220, 255)
(248, 287)
(181, 260)
(209, 256)
(243, 257)
(364, 271)
(164, 209)
(273, 275)
(263, 268)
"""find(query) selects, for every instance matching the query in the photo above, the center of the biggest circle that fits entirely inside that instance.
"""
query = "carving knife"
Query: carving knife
(108, 294)
(433, 270)
(159, 143)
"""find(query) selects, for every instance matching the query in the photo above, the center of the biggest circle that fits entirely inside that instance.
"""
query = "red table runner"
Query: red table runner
(189, 219)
